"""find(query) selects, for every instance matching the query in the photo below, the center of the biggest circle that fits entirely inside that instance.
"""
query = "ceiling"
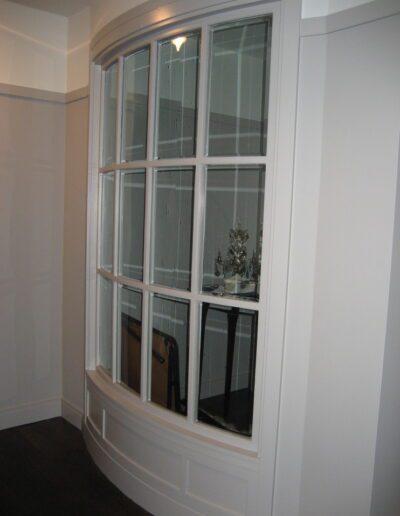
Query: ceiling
(61, 7)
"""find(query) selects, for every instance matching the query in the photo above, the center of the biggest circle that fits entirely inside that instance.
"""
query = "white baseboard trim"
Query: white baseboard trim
(72, 413)
(29, 413)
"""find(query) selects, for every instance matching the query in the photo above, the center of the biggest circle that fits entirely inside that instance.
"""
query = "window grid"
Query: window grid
(200, 161)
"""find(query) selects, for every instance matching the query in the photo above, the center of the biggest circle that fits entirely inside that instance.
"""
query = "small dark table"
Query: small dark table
(232, 314)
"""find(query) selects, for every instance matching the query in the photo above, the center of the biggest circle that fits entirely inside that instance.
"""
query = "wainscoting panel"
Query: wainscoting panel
(168, 472)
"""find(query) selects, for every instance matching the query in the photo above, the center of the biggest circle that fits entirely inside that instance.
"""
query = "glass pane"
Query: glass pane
(131, 337)
(177, 97)
(132, 223)
(239, 77)
(135, 97)
(227, 366)
(233, 230)
(110, 114)
(105, 298)
(169, 358)
(173, 201)
(107, 221)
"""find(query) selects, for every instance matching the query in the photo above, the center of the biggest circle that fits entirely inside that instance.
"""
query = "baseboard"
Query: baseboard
(29, 413)
(71, 413)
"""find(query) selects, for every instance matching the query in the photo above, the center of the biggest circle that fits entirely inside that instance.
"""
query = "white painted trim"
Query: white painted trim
(29, 413)
(145, 496)
(353, 17)
(72, 413)
(300, 303)
(75, 95)
(21, 92)
(158, 14)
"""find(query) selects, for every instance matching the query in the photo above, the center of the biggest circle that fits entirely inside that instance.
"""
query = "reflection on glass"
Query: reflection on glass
(169, 358)
(135, 96)
(239, 77)
(131, 337)
(173, 201)
(132, 223)
(110, 114)
(107, 221)
(227, 367)
(233, 230)
(177, 97)
(105, 296)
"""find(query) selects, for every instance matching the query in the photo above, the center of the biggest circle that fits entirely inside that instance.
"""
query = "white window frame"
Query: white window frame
(188, 425)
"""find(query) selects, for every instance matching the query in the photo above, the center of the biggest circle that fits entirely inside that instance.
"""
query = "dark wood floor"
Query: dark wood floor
(46, 470)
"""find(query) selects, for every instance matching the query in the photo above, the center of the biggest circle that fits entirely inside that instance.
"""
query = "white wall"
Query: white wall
(75, 195)
(386, 493)
(31, 236)
(78, 50)
(32, 48)
(314, 8)
(358, 177)
(104, 11)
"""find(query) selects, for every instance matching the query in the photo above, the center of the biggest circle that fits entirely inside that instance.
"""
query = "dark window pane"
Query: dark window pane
(233, 230)
(105, 300)
(169, 359)
(135, 98)
(239, 77)
(227, 367)
(132, 223)
(110, 114)
(177, 98)
(131, 337)
(173, 199)
(107, 221)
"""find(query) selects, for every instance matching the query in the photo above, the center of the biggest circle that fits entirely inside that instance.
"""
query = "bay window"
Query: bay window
(181, 195)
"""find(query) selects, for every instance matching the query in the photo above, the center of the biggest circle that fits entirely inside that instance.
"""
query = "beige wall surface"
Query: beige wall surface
(74, 255)
(32, 143)
(33, 48)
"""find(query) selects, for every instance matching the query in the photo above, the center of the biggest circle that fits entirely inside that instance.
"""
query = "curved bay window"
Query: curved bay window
(181, 216)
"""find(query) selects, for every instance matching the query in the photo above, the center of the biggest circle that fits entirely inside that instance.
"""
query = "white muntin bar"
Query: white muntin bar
(152, 101)
(101, 117)
(118, 132)
(147, 258)
(146, 301)
(187, 162)
(197, 253)
(115, 325)
(169, 292)
(145, 379)
(202, 96)
(114, 332)
(92, 219)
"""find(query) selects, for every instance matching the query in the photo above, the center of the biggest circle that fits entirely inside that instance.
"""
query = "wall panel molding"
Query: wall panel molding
(359, 15)
(12, 90)
(75, 95)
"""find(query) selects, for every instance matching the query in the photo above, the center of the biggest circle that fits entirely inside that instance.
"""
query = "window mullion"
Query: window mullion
(151, 121)
(198, 211)
(202, 93)
(118, 133)
(146, 333)
(198, 215)
(115, 332)
(146, 302)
